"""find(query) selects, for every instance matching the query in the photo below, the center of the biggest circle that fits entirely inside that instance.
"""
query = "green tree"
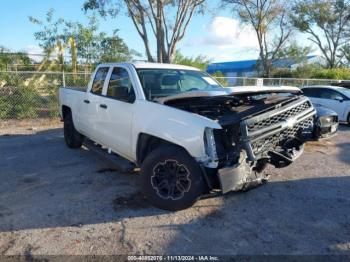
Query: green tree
(87, 38)
(199, 61)
(295, 51)
(327, 24)
(153, 17)
(269, 20)
(5, 59)
(10, 59)
(51, 37)
(345, 55)
(114, 49)
(85, 42)
(94, 46)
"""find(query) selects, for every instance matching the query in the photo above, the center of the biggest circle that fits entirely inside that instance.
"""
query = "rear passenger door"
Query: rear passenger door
(92, 103)
(117, 112)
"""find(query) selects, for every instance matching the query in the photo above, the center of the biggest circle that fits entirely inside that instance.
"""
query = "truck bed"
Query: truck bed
(69, 96)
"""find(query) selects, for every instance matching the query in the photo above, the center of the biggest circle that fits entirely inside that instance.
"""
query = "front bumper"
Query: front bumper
(240, 176)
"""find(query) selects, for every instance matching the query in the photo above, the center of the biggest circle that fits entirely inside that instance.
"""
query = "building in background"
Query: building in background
(248, 68)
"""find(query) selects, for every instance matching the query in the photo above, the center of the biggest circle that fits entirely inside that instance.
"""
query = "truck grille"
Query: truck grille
(265, 132)
(279, 117)
(270, 142)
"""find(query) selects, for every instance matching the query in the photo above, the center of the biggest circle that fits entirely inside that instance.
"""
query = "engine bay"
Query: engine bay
(231, 109)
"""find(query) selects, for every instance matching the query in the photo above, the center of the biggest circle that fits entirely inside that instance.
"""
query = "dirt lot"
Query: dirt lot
(59, 201)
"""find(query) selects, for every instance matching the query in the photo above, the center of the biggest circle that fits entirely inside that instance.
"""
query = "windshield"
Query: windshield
(165, 82)
(345, 91)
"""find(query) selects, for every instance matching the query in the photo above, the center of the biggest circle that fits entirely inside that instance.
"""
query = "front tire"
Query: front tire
(172, 179)
(72, 137)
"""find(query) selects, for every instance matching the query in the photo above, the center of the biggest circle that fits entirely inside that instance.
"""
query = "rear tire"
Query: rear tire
(72, 137)
(172, 179)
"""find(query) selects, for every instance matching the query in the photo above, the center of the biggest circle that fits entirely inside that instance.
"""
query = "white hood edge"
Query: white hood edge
(229, 91)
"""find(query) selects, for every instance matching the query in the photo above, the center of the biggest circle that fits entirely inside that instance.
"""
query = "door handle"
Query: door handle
(86, 101)
(103, 106)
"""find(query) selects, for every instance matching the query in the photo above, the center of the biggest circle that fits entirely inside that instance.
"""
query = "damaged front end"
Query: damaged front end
(258, 130)
(276, 137)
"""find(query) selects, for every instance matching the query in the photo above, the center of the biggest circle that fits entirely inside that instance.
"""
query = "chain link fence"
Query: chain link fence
(298, 82)
(34, 95)
(31, 95)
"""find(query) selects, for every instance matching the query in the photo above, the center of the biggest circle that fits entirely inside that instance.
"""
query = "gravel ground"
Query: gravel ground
(28, 126)
(56, 201)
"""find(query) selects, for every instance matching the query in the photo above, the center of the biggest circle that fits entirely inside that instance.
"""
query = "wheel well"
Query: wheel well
(147, 143)
(65, 110)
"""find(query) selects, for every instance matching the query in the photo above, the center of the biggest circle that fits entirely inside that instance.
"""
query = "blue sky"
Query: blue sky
(214, 34)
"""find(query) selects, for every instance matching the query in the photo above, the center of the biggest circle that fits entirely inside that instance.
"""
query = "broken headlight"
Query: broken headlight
(210, 148)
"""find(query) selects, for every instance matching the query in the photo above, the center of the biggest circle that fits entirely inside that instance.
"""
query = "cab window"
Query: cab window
(99, 80)
(120, 86)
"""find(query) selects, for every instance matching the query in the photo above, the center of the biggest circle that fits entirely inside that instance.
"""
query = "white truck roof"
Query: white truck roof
(147, 65)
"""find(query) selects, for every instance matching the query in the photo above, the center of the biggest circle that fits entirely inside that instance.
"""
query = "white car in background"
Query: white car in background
(332, 97)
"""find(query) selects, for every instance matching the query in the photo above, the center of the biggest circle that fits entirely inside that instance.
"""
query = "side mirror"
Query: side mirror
(339, 99)
(131, 98)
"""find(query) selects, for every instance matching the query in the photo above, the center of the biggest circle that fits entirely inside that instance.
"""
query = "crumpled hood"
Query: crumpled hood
(225, 91)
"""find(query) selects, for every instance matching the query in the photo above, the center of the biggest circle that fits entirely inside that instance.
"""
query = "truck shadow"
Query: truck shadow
(344, 146)
(306, 216)
(45, 185)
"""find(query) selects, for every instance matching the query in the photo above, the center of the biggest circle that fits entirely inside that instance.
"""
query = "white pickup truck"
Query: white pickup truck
(188, 134)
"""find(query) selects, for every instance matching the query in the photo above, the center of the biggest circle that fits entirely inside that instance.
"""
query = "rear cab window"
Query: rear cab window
(100, 77)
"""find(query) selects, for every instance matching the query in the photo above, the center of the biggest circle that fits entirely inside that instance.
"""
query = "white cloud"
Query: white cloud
(225, 33)
(35, 52)
(226, 39)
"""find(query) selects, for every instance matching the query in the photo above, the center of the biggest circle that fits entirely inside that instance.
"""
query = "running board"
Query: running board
(120, 163)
